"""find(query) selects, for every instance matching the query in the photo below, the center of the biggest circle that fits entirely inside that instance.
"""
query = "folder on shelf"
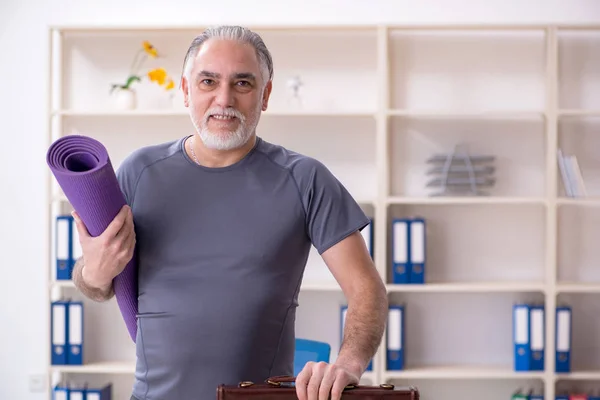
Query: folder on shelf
(521, 337)
(59, 317)
(400, 250)
(536, 397)
(563, 339)
(75, 335)
(76, 250)
(103, 393)
(417, 250)
(343, 312)
(561, 397)
(395, 338)
(60, 392)
(538, 331)
(77, 393)
(62, 246)
(367, 234)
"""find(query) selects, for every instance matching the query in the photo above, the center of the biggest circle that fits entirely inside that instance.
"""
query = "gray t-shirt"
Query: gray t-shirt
(221, 255)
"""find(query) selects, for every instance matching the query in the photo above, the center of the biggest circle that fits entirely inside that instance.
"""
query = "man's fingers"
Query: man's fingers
(302, 381)
(318, 371)
(326, 384)
(338, 387)
(117, 223)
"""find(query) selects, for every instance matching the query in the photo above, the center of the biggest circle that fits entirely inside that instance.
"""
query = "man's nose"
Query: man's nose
(225, 96)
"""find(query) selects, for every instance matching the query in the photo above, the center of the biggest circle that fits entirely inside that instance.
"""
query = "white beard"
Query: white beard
(229, 140)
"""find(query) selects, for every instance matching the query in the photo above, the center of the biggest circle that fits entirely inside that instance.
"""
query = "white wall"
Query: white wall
(23, 49)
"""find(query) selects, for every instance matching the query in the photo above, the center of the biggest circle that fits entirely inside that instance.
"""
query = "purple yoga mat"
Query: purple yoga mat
(83, 170)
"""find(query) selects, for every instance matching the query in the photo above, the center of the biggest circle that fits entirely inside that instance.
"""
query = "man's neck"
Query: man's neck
(212, 158)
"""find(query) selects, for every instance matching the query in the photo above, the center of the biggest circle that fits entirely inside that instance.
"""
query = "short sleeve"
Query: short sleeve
(332, 214)
(127, 175)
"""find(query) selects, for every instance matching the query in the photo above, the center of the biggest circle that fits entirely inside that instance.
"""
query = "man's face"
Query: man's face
(225, 93)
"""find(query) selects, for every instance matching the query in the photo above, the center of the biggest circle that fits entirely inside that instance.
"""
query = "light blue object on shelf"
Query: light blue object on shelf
(309, 350)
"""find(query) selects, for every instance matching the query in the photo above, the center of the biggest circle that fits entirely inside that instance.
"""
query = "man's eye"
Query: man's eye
(244, 83)
(207, 81)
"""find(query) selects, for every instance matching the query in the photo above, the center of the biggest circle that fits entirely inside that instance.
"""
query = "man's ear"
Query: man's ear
(266, 95)
(185, 90)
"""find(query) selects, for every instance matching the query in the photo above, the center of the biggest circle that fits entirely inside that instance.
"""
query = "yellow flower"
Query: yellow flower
(150, 49)
(170, 84)
(158, 75)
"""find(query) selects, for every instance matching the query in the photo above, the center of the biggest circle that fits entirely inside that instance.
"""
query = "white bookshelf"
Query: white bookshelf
(373, 114)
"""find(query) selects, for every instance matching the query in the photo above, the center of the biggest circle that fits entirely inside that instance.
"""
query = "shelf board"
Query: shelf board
(589, 375)
(467, 115)
(62, 284)
(460, 372)
(107, 367)
(175, 112)
(320, 287)
(487, 287)
(573, 287)
(578, 113)
(579, 201)
(466, 200)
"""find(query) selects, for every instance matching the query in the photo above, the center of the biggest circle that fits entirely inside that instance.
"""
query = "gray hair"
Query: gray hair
(241, 34)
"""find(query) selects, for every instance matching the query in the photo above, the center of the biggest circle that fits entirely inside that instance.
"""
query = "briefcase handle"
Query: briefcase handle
(278, 380)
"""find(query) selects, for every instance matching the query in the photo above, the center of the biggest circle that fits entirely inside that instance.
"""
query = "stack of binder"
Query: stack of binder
(66, 335)
(67, 247)
(592, 395)
(68, 392)
(408, 250)
(529, 336)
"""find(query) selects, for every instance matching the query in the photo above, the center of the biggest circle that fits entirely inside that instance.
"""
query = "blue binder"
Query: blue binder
(77, 393)
(60, 392)
(367, 233)
(417, 250)
(343, 311)
(103, 393)
(537, 347)
(63, 246)
(395, 338)
(75, 335)
(561, 397)
(400, 251)
(536, 397)
(563, 339)
(59, 335)
(521, 337)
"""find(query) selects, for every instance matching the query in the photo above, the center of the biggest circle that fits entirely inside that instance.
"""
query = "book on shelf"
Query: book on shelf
(572, 177)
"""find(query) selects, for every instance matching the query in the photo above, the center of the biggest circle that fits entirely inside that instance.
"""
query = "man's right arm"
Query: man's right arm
(99, 294)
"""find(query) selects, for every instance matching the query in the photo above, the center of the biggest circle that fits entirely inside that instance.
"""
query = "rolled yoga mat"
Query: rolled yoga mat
(82, 168)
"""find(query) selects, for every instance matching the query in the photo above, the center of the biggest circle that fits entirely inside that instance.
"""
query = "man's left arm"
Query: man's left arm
(350, 263)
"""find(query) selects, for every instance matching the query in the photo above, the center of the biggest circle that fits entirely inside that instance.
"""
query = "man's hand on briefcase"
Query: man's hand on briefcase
(317, 381)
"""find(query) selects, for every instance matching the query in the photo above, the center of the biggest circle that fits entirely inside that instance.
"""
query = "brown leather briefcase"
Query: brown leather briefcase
(281, 388)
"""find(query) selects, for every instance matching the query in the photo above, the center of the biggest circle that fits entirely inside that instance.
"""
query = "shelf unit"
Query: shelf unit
(373, 114)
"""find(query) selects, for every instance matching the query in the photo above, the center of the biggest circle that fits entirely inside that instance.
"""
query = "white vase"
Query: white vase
(125, 99)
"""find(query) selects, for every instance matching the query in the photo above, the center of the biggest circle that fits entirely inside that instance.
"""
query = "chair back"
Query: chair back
(310, 350)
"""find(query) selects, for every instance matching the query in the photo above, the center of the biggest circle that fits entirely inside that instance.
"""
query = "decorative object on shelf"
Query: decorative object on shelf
(294, 84)
(125, 94)
(460, 173)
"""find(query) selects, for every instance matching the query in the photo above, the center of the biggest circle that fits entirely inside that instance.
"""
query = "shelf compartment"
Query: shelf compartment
(578, 136)
(579, 69)
(105, 367)
(518, 147)
(577, 249)
(324, 73)
(472, 243)
(485, 70)
(585, 331)
(472, 332)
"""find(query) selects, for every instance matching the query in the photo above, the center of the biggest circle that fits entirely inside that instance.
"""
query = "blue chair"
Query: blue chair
(310, 350)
